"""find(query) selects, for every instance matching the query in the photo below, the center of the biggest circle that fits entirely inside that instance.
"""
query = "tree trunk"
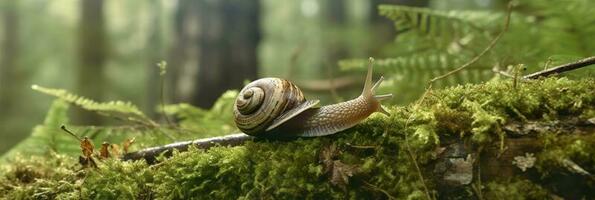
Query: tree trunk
(178, 54)
(229, 32)
(9, 70)
(92, 48)
(11, 76)
(154, 55)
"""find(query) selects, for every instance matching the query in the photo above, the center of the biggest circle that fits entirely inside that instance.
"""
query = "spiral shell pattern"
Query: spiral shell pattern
(262, 101)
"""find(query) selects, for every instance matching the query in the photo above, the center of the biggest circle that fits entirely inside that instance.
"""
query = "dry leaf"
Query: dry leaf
(337, 171)
(104, 151)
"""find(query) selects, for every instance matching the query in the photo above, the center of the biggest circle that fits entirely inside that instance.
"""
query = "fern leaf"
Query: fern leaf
(47, 136)
(216, 121)
(117, 109)
(408, 75)
(439, 23)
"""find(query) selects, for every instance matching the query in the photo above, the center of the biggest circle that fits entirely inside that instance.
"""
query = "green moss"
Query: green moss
(49, 177)
(373, 156)
(515, 189)
(560, 148)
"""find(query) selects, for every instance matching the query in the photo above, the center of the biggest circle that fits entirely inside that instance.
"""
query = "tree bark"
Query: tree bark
(229, 32)
(92, 49)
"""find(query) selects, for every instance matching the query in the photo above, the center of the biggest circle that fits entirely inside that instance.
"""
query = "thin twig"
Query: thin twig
(562, 68)
(429, 88)
(417, 168)
(150, 154)
(410, 152)
(488, 48)
(63, 127)
(408, 148)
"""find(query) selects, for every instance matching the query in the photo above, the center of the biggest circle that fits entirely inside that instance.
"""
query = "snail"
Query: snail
(274, 107)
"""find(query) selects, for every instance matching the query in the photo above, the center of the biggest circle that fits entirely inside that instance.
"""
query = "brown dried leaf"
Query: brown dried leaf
(104, 151)
(337, 171)
(340, 173)
(87, 147)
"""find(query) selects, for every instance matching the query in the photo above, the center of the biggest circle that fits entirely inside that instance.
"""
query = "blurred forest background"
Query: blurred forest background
(108, 49)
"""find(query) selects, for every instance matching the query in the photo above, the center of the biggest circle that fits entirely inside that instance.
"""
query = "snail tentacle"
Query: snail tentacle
(377, 83)
(337, 117)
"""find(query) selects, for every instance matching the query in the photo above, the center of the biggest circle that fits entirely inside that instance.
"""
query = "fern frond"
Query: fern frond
(435, 23)
(214, 122)
(117, 109)
(407, 75)
(47, 136)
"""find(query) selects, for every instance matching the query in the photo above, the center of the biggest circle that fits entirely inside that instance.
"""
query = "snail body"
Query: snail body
(274, 107)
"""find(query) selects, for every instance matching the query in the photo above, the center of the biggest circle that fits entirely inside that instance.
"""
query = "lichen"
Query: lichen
(524, 162)
(380, 155)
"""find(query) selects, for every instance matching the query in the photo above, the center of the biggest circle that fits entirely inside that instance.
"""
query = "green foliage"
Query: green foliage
(432, 42)
(375, 152)
(47, 136)
(216, 121)
(512, 188)
(118, 180)
(193, 123)
(118, 109)
(53, 176)
(561, 149)
(440, 25)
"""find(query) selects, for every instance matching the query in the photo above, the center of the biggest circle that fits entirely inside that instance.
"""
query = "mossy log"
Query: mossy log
(485, 141)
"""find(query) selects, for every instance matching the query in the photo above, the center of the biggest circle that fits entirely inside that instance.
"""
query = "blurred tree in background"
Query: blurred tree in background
(92, 46)
(229, 32)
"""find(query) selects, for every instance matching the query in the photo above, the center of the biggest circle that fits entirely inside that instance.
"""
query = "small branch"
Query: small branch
(150, 154)
(476, 58)
(563, 68)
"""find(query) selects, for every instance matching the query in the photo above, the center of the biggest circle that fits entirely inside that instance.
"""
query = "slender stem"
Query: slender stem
(562, 68)
(162, 93)
(488, 48)
(63, 127)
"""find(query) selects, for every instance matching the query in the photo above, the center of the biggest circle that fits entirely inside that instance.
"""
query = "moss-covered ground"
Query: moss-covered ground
(382, 158)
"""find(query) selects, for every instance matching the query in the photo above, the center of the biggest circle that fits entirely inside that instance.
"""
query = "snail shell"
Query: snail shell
(266, 103)
(273, 107)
